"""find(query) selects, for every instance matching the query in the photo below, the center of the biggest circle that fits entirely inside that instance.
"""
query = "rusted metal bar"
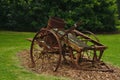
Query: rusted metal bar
(86, 37)
(29, 39)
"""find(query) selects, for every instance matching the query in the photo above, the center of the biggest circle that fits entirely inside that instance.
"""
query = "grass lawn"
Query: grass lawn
(112, 54)
(13, 42)
(10, 69)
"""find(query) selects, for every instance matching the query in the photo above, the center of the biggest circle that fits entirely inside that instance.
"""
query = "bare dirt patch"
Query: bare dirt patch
(70, 72)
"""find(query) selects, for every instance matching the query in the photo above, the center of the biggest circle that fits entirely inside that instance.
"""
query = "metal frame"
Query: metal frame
(52, 42)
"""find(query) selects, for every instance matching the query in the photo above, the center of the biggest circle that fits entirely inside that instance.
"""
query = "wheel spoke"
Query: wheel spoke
(46, 51)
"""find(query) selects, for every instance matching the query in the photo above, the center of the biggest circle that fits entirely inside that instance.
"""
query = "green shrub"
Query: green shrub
(31, 15)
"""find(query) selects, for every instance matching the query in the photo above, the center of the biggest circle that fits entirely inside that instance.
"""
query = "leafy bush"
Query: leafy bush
(118, 7)
(31, 15)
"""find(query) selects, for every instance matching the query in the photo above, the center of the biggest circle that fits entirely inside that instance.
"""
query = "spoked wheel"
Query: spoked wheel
(46, 50)
(89, 53)
(91, 35)
(95, 54)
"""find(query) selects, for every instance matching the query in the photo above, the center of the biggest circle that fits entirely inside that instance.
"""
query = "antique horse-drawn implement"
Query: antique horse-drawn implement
(53, 45)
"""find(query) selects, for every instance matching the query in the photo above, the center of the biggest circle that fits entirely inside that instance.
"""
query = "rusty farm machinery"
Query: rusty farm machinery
(53, 45)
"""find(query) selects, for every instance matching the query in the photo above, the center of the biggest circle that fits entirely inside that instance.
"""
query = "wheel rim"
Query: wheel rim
(46, 50)
(87, 53)
(90, 53)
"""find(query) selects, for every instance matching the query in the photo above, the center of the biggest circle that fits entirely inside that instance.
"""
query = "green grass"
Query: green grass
(112, 54)
(13, 42)
(10, 69)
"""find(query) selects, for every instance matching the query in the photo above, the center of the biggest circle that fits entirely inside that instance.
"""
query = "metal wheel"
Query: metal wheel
(94, 55)
(91, 35)
(46, 50)
(88, 53)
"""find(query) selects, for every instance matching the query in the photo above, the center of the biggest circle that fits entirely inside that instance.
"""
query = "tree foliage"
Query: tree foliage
(30, 15)
(118, 5)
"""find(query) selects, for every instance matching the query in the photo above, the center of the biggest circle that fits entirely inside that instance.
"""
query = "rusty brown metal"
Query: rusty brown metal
(54, 40)
(45, 43)
(55, 22)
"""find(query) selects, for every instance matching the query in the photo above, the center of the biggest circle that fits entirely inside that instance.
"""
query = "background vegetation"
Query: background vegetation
(31, 15)
(118, 6)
